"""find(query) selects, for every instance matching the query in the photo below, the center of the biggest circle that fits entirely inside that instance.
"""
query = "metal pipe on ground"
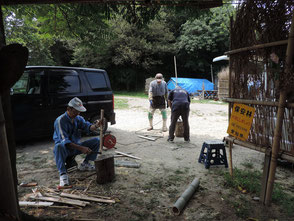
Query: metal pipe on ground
(185, 197)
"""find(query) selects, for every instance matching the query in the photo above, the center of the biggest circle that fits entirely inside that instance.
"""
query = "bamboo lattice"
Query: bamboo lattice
(259, 73)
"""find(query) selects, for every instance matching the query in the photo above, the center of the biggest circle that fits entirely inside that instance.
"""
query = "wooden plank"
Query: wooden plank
(128, 155)
(266, 167)
(35, 204)
(84, 197)
(121, 163)
(61, 200)
(147, 138)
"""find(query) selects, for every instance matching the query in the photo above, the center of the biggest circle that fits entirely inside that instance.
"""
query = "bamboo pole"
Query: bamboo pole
(230, 104)
(185, 197)
(255, 102)
(260, 46)
(283, 155)
(280, 117)
(176, 73)
(101, 131)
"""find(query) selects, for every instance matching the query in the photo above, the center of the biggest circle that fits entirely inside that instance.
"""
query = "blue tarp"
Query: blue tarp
(192, 85)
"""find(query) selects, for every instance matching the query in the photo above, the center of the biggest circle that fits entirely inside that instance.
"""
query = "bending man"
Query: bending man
(179, 102)
(157, 97)
(67, 137)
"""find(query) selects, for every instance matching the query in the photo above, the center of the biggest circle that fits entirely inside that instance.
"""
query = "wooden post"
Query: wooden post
(9, 203)
(105, 163)
(280, 117)
(176, 73)
(101, 130)
(266, 167)
(230, 104)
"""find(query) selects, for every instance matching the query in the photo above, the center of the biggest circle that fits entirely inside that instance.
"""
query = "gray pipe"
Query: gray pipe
(184, 198)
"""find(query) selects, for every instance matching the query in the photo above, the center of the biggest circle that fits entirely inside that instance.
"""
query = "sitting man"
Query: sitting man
(67, 140)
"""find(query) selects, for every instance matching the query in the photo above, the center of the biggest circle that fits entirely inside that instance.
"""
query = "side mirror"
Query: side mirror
(11, 91)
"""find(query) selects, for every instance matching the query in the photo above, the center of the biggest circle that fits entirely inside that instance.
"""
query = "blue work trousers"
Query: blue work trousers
(61, 153)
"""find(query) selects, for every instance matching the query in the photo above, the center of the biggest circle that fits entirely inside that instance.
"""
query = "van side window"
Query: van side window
(29, 83)
(96, 80)
(64, 82)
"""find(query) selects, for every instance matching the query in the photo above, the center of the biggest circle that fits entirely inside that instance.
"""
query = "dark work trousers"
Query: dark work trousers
(174, 117)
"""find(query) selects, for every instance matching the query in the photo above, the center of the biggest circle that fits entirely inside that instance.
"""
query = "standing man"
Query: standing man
(179, 102)
(157, 97)
(67, 135)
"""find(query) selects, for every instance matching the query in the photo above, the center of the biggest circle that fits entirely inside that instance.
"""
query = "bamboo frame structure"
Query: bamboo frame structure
(262, 76)
(278, 129)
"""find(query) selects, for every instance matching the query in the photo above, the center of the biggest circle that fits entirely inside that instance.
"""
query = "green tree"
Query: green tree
(204, 38)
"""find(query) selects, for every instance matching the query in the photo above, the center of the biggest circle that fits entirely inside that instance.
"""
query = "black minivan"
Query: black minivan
(43, 92)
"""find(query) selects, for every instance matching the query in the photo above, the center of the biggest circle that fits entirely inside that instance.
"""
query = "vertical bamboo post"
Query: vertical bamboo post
(176, 73)
(280, 117)
(230, 104)
(101, 130)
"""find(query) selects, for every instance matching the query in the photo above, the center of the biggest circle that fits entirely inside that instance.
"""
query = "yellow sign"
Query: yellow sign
(241, 121)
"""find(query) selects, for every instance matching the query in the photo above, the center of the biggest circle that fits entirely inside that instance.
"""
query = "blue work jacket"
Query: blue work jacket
(66, 131)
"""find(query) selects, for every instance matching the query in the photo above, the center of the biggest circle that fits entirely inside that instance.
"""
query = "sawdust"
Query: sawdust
(147, 192)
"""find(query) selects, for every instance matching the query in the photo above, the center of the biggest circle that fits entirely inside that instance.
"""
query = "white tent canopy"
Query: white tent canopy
(221, 58)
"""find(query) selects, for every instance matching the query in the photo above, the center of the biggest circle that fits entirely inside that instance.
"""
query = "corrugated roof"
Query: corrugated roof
(196, 3)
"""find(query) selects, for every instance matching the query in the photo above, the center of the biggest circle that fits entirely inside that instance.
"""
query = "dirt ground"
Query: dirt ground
(166, 170)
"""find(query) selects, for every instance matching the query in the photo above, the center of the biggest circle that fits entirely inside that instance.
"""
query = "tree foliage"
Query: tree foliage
(131, 42)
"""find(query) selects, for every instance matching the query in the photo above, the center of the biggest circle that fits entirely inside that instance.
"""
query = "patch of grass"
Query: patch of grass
(246, 179)
(250, 180)
(120, 103)
(241, 207)
(248, 165)
(286, 201)
(140, 94)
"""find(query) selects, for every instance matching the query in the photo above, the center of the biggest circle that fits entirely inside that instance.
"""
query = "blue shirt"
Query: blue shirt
(180, 99)
(68, 131)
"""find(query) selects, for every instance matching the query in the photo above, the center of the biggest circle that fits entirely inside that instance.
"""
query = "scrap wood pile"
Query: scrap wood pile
(44, 197)
(259, 73)
(77, 195)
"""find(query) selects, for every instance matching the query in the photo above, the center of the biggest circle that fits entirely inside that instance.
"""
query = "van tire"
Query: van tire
(97, 132)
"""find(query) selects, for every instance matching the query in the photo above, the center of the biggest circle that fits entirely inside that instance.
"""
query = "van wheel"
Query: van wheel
(97, 132)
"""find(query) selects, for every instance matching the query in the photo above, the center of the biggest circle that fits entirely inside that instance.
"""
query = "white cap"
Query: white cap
(77, 104)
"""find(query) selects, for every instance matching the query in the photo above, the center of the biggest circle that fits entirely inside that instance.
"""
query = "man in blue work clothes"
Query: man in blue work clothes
(179, 102)
(67, 135)
(157, 96)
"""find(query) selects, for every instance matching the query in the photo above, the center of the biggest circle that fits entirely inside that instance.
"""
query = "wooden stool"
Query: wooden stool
(213, 153)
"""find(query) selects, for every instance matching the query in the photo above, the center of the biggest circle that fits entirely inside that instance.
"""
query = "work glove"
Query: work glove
(151, 102)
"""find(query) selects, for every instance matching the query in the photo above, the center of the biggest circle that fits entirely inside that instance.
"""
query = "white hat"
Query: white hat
(77, 104)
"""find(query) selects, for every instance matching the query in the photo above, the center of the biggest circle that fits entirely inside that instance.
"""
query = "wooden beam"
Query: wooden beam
(87, 198)
(255, 102)
(260, 46)
(197, 3)
(35, 204)
(128, 155)
(61, 200)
